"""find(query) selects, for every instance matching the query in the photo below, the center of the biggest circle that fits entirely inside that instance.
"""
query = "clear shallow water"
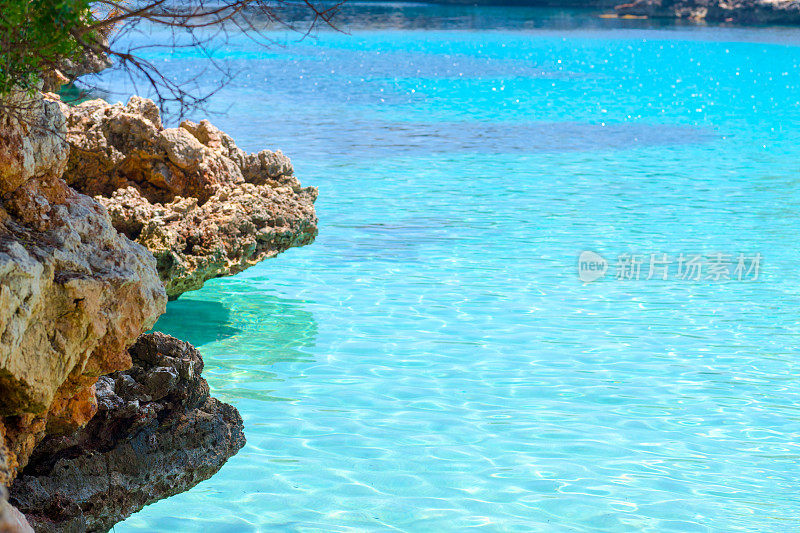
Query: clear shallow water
(432, 362)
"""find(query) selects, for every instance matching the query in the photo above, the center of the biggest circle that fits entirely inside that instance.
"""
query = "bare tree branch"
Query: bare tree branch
(202, 25)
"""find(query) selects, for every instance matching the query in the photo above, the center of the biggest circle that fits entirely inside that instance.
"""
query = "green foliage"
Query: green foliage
(35, 35)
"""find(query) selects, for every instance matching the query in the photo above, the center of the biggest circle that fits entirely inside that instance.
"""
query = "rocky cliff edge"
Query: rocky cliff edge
(104, 213)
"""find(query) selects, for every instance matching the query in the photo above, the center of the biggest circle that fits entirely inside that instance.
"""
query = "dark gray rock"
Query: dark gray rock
(157, 433)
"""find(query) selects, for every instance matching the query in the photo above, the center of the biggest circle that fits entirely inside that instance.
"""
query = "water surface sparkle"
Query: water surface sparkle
(432, 362)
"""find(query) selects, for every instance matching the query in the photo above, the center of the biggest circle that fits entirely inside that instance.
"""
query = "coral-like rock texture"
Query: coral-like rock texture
(202, 206)
(74, 293)
(157, 433)
(743, 11)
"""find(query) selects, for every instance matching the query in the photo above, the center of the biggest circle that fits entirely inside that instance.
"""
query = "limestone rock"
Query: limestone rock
(157, 433)
(201, 205)
(74, 293)
(31, 141)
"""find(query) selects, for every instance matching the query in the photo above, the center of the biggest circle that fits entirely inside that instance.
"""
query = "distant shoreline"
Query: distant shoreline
(745, 12)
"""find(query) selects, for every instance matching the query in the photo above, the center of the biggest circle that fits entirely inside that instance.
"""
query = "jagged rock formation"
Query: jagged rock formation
(92, 60)
(74, 294)
(743, 11)
(157, 433)
(201, 205)
(86, 438)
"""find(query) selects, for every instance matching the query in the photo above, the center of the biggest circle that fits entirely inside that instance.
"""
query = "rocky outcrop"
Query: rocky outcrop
(90, 430)
(92, 60)
(157, 433)
(741, 11)
(74, 294)
(202, 206)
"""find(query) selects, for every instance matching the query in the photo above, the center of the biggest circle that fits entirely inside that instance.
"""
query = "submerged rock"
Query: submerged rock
(74, 293)
(744, 11)
(201, 205)
(157, 433)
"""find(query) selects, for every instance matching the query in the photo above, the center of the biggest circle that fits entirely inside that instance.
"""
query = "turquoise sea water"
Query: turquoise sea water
(433, 362)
